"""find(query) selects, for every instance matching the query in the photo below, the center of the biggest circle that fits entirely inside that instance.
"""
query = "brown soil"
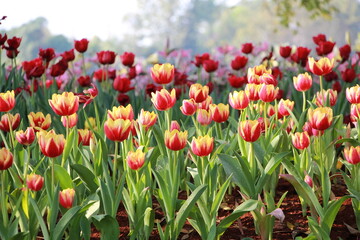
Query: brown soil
(295, 224)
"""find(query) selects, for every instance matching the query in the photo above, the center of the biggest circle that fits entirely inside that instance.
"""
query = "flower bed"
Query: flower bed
(249, 142)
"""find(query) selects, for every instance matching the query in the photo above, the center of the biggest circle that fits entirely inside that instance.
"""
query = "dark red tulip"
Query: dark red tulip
(325, 48)
(210, 65)
(47, 55)
(247, 48)
(319, 38)
(127, 59)
(239, 62)
(81, 45)
(345, 52)
(84, 81)
(106, 57)
(59, 68)
(68, 55)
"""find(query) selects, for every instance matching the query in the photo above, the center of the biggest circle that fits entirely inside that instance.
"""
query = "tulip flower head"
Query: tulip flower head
(220, 112)
(69, 121)
(188, 107)
(27, 137)
(204, 117)
(238, 100)
(252, 91)
(300, 140)
(6, 159)
(7, 101)
(202, 146)
(117, 130)
(320, 118)
(121, 112)
(283, 105)
(254, 73)
(34, 182)
(302, 82)
(81, 45)
(64, 104)
(51, 144)
(268, 93)
(175, 140)
(84, 136)
(321, 67)
(198, 92)
(352, 154)
(9, 120)
(163, 73)
(135, 160)
(38, 121)
(250, 130)
(353, 94)
(163, 100)
(66, 197)
(323, 96)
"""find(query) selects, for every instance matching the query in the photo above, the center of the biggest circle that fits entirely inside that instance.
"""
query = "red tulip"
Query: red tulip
(6, 159)
(249, 130)
(239, 62)
(34, 182)
(301, 140)
(51, 144)
(210, 65)
(175, 140)
(66, 197)
(247, 48)
(27, 137)
(285, 51)
(135, 160)
(81, 45)
(127, 59)
(202, 146)
(106, 57)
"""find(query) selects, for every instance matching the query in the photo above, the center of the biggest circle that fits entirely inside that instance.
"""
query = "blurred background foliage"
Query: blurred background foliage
(201, 25)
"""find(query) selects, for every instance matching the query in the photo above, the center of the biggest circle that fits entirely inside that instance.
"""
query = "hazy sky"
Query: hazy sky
(73, 18)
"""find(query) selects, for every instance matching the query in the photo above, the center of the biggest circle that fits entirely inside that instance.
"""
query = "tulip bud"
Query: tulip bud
(308, 180)
(34, 182)
(135, 160)
(6, 159)
(66, 197)
(202, 146)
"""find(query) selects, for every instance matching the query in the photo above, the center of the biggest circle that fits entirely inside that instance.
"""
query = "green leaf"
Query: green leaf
(241, 176)
(219, 197)
(247, 206)
(86, 176)
(70, 142)
(59, 230)
(186, 208)
(331, 212)
(107, 225)
(43, 227)
(63, 176)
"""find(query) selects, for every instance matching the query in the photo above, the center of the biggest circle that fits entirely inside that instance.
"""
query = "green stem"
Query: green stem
(252, 162)
(52, 174)
(10, 119)
(321, 84)
(115, 162)
(218, 130)
(27, 164)
(3, 199)
(264, 118)
(304, 101)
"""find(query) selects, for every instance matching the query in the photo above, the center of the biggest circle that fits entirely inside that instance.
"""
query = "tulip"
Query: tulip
(127, 59)
(90, 123)
(352, 154)
(320, 118)
(69, 121)
(238, 100)
(122, 84)
(174, 125)
(59, 68)
(205, 104)
(202, 146)
(247, 48)
(345, 52)
(300, 140)
(348, 75)
(199, 59)
(302, 82)
(163, 73)
(64, 104)
(219, 113)
(249, 130)
(210, 65)
(254, 73)
(268, 79)
(323, 96)
(7, 101)
(27, 137)
(239, 62)
(163, 100)
(106, 57)
(354, 112)
(34, 182)
(121, 112)
(84, 81)
(117, 130)
(135, 160)
(47, 55)
(252, 91)
(6, 159)
(353, 94)
(283, 105)
(308, 180)
(188, 107)
(38, 121)
(51, 144)
(322, 66)
(268, 93)
(69, 56)
(84, 136)
(198, 92)
(147, 119)
(203, 116)
(285, 51)
(235, 81)
(324, 48)
(175, 140)
(301, 55)
(5, 123)
(66, 197)
(319, 38)
(311, 131)
(81, 45)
